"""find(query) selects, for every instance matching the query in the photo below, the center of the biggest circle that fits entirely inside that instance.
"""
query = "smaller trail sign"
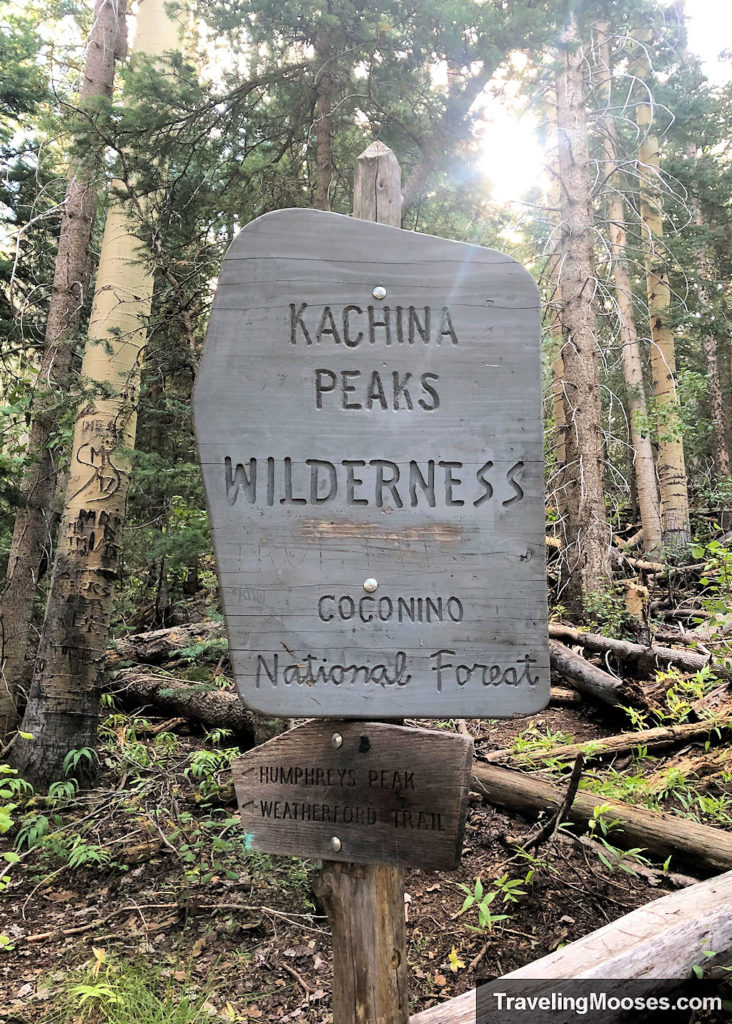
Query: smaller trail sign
(361, 792)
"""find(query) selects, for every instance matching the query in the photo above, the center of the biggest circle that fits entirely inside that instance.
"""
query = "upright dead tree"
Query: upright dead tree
(644, 466)
(587, 530)
(63, 703)
(554, 312)
(711, 361)
(33, 523)
(671, 463)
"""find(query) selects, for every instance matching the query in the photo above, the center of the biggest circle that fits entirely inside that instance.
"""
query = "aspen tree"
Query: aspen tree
(587, 531)
(671, 464)
(33, 522)
(63, 704)
(644, 467)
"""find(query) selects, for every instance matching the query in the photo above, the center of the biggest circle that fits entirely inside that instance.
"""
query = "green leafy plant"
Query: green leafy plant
(84, 756)
(717, 578)
(481, 901)
(601, 826)
(478, 899)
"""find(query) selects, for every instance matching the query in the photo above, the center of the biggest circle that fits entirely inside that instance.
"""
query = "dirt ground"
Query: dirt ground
(245, 930)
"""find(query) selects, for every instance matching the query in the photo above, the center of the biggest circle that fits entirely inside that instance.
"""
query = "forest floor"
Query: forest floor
(159, 896)
(136, 900)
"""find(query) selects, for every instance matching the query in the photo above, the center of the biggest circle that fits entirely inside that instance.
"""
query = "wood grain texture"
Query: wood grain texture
(703, 848)
(390, 794)
(661, 940)
(377, 187)
(365, 907)
(327, 511)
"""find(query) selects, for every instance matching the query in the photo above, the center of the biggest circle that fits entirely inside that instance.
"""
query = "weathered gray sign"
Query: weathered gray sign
(368, 414)
(364, 792)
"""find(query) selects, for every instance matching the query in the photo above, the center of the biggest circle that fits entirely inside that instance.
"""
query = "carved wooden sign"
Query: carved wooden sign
(351, 791)
(368, 414)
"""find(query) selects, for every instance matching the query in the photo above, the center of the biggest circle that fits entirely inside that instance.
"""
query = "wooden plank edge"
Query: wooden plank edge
(663, 939)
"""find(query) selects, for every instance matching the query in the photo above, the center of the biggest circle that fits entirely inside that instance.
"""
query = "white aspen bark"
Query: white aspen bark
(671, 464)
(33, 526)
(63, 704)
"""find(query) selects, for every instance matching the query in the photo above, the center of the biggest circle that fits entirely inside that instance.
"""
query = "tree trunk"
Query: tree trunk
(216, 709)
(587, 678)
(325, 87)
(587, 532)
(671, 464)
(33, 522)
(645, 472)
(709, 350)
(161, 645)
(63, 703)
(622, 743)
(554, 307)
(648, 659)
(705, 849)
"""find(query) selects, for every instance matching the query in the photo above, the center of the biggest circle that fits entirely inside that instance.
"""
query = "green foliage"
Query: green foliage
(481, 901)
(124, 992)
(605, 612)
(11, 787)
(211, 650)
(79, 760)
(717, 579)
(601, 826)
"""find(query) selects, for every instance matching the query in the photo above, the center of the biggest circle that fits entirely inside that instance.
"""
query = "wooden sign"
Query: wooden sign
(368, 413)
(361, 792)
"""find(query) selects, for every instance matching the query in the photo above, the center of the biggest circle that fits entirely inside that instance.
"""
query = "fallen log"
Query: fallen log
(587, 678)
(664, 939)
(647, 658)
(564, 695)
(702, 766)
(220, 709)
(704, 849)
(161, 644)
(628, 543)
(637, 563)
(621, 743)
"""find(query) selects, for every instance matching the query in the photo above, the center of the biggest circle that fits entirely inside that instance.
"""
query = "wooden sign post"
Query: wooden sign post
(368, 414)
